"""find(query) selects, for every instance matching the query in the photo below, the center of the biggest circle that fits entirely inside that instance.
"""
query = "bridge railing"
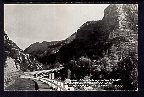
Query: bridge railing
(54, 83)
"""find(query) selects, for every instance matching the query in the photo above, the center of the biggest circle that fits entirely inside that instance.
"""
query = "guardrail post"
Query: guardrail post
(49, 75)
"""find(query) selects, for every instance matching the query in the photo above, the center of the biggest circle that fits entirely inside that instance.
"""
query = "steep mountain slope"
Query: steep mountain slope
(124, 41)
(46, 52)
(16, 61)
(125, 19)
(24, 60)
(90, 39)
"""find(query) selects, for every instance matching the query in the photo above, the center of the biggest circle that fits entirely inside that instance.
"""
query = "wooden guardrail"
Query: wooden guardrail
(54, 85)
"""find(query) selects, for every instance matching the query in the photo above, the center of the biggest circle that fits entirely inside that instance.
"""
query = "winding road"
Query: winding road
(45, 84)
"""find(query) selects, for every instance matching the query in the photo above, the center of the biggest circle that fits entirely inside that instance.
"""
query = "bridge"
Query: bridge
(49, 83)
(36, 73)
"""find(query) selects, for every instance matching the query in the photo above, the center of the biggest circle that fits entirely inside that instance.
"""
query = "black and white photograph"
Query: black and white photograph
(70, 47)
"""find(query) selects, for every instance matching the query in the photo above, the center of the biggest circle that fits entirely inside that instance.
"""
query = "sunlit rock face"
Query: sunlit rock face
(10, 71)
(124, 19)
(21, 59)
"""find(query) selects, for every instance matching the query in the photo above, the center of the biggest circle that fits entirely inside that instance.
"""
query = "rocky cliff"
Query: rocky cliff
(124, 18)
(23, 60)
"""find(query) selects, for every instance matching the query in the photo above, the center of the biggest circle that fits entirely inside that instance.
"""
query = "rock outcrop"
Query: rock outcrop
(124, 18)
(22, 60)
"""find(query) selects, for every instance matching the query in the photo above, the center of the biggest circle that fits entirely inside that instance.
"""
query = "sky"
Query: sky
(26, 24)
